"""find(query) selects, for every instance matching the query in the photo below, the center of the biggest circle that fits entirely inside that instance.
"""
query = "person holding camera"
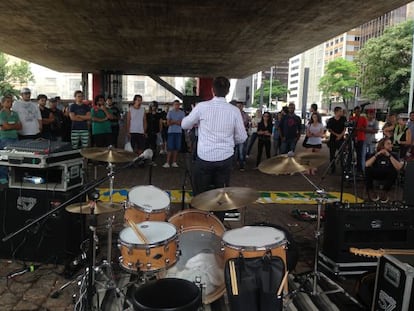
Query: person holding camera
(101, 123)
(383, 166)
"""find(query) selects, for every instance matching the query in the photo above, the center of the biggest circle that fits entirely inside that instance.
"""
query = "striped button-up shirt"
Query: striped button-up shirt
(220, 127)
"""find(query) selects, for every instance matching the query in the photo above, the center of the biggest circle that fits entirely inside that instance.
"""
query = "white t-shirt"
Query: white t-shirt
(316, 130)
(29, 115)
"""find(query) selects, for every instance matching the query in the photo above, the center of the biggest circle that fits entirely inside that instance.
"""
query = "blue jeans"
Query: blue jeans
(251, 142)
(288, 144)
(241, 150)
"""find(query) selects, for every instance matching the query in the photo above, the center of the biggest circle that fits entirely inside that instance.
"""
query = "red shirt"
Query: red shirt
(361, 122)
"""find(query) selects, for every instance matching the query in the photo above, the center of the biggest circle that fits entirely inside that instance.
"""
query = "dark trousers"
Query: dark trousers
(387, 176)
(102, 140)
(114, 136)
(211, 175)
(334, 145)
(263, 143)
(360, 154)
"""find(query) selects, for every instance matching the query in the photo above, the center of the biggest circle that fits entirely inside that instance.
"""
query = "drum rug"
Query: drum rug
(278, 197)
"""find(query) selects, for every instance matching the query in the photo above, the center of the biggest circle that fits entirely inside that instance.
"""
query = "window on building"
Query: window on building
(50, 81)
(74, 84)
(139, 87)
(357, 38)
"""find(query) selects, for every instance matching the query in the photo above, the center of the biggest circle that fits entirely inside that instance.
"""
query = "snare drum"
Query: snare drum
(147, 203)
(201, 259)
(159, 254)
(254, 241)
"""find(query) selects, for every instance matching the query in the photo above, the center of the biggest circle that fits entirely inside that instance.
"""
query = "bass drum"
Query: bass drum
(201, 259)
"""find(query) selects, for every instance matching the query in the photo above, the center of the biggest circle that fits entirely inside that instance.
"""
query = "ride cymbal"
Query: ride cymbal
(101, 208)
(224, 199)
(108, 154)
(290, 163)
(313, 159)
(282, 165)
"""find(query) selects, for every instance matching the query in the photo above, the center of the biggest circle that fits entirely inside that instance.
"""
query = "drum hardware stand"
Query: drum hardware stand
(315, 274)
(92, 250)
(187, 174)
(110, 167)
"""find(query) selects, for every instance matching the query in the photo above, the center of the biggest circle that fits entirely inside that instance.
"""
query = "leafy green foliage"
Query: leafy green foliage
(279, 90)
(339, 80)
(385, 64)
(13, 75)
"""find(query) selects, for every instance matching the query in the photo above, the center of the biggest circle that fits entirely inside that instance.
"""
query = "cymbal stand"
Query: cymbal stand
(315, 274)
(110, 167)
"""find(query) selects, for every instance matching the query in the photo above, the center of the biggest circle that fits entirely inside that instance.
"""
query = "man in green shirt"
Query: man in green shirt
(9, 125)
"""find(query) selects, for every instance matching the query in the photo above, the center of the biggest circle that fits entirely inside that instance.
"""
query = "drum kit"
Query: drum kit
(190, 245)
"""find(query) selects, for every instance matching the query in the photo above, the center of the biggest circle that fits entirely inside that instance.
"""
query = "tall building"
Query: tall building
(346, 46)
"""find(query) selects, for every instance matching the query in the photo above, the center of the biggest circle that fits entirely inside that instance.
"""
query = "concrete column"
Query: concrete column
(204, 87)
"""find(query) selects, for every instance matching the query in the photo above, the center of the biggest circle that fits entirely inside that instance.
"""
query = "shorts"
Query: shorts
(174, 142)
(313, 146)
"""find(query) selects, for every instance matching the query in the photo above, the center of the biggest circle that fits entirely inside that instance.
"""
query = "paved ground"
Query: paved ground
(32, 291)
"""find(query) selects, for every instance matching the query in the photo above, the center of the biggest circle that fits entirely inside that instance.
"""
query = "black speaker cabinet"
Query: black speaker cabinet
(52, 240)
(408, 193)
(366, 226)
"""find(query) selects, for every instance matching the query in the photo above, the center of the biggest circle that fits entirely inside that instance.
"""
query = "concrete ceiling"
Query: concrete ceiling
(203, 38)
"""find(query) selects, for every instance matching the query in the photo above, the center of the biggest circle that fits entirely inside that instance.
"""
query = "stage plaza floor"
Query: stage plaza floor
(33, 290)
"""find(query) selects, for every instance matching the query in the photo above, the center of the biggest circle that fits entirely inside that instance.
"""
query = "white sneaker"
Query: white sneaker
(174, 164)
(166, 165)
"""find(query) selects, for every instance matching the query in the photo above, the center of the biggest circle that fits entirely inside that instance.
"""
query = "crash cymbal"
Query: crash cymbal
(224, 199)
(108, 154)
(313, 159)
(101, 208)
(282, 165)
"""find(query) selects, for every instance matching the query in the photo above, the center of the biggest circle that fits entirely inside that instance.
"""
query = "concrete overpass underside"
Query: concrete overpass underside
(175, 38)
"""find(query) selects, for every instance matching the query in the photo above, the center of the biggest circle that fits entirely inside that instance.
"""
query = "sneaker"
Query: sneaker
(242, 169)
(162, 152)
(174, 164)
(166, 165)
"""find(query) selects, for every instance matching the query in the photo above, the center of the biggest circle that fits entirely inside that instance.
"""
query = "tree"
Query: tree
(13, 75)
(279, 90)
(385, 64)
(339, 80)
(189, 86)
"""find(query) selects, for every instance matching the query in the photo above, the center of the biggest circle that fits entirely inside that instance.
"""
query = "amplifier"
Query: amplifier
(366, 226)
(408, 193)
(52, 240)
(394, 284)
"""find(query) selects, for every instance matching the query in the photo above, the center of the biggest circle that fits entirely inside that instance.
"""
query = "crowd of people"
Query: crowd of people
(208, 137)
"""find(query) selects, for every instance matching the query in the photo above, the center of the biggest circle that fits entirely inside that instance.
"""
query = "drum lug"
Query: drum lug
(167, 261)
(119, 246)
(149, 266)
(178, 253)
(147, 251)
(121, 259)
(166, 247)
(129, 265)
(129, 250)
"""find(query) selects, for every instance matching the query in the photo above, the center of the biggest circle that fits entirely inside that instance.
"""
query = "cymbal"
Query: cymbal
(224, 199)
(313, 159)
(108, 154)
(290, 163)
(101, 208)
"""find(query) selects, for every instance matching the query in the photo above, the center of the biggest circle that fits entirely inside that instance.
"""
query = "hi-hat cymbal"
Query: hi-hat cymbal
(290, 163)
(224, 199)
(101, 208)
(108, 154)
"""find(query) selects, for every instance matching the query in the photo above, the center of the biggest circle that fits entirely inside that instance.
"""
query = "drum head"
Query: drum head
(149, 198)
(254, 237)
(201, 257)
(154, 231)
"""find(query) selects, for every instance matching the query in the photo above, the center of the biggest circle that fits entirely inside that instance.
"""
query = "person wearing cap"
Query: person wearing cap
(402, 137)
(29, 115)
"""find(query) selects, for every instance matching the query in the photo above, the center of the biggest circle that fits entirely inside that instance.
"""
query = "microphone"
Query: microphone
(30, 268)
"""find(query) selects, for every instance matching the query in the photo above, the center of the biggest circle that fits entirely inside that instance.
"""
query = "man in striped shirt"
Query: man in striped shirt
(220, 128)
